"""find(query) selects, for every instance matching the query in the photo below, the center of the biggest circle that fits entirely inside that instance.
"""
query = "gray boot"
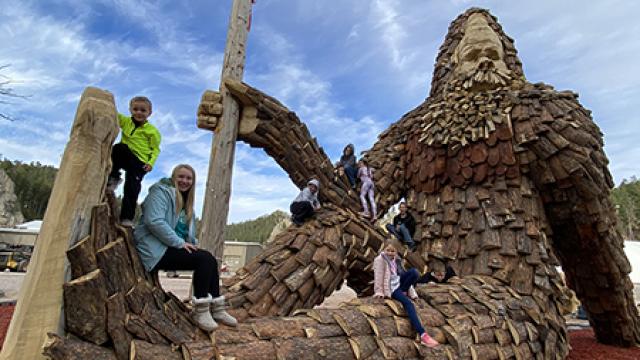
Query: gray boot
(201, 314)
(218, 310)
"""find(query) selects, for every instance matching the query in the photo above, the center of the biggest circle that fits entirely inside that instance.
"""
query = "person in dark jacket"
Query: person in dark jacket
(439, 272)
(404, 226)
(348, 163)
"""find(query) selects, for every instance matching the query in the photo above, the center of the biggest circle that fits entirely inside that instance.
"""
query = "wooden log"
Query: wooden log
(178, 314)
(281, 328)
(100, 228)
(134, 257)
(299, 277)
(363, 347)
(139, 296)
(198, 350)
(256, 294)
(323, 330)
(484, 352)
(141, 330)
(158, 321)
(79, 185)
(84, 305)
(116, 315)
(113, 260)
(58, 348)
(300, 348)
(82, 258)
(258, 350)
(142, 350)
(286, 268)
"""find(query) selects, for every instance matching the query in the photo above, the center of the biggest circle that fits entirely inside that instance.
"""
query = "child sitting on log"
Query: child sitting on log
(136, 154)
(439, 272)
(403, 226)
(347, 165)
(392, 281)
(306, 203)
(365, 174)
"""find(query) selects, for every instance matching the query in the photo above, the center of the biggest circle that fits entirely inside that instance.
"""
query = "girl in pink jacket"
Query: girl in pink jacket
(392, 281)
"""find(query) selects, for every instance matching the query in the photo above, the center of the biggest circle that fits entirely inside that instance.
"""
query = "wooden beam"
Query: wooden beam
(218, 190)
(78, 187)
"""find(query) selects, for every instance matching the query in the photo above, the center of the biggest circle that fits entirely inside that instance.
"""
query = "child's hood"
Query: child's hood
(314, 182)
(349, 146)
(164, 184)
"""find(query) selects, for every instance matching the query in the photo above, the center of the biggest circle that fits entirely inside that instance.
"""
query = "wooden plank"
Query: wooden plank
(218, 190)
(79, 186)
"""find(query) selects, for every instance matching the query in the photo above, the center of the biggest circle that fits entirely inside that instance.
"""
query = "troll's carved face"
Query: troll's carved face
(479, 57)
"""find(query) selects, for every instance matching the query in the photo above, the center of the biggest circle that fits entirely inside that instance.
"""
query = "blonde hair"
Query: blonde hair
(180, 204)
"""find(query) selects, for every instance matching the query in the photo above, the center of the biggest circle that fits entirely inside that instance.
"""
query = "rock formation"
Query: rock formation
(10, 214)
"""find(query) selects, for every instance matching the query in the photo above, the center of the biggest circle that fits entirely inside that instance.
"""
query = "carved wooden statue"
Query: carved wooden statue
(507, 180)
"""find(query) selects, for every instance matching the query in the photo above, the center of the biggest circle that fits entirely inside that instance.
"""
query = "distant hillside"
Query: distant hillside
(257, 230)
(626, 199)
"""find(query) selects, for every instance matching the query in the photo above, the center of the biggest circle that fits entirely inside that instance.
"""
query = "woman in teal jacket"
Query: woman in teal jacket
(165, 239)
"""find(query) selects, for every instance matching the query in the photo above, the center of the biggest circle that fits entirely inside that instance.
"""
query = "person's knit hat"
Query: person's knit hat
(314, 182)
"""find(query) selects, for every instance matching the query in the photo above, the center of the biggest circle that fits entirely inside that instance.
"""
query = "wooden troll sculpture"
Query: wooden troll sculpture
(507, 180)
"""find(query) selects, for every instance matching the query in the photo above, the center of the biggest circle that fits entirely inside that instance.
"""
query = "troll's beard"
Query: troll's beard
(485, 77)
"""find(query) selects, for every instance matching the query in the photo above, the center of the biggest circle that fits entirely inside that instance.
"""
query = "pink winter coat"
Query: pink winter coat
(382, 278)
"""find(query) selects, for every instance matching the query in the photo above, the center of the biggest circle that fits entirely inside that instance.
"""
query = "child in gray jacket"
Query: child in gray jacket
(306, 203)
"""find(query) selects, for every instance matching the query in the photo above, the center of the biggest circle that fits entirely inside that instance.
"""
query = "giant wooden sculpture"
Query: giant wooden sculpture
(507, 180)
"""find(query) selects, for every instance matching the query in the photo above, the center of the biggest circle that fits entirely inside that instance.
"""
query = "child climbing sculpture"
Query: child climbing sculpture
(508, 180)
(365, 174)
(306, 203)
(136, 153)
(347, 164)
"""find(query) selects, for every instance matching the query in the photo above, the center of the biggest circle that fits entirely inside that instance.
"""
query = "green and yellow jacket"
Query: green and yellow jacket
(143, 141)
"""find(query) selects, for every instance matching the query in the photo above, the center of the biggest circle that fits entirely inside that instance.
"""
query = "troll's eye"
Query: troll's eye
(471, 54)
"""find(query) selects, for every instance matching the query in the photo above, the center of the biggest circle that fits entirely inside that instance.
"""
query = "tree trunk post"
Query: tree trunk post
(218, 190)
(78, 187)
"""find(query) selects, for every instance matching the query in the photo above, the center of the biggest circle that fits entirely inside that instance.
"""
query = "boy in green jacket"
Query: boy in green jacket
(135, 154)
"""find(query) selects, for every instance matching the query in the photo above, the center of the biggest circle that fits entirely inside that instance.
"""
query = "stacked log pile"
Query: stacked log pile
(305, 264)
(476, 317)
(114, 309)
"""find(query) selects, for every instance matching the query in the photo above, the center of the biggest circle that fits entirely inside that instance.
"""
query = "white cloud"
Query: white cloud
(347, 68)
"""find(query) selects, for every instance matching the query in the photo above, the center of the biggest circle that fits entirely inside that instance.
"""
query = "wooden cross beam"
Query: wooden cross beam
(218, 190)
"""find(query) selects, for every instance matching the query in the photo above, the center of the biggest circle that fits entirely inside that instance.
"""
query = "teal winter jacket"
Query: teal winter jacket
(156, 230)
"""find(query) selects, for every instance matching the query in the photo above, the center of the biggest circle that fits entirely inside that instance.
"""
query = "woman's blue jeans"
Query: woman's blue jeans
(408, 279)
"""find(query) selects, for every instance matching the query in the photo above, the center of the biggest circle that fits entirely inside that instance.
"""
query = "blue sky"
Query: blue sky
(348, 68)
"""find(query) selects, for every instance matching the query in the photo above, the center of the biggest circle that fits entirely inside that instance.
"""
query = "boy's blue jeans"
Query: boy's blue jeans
(408, 279)
(402, 233)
